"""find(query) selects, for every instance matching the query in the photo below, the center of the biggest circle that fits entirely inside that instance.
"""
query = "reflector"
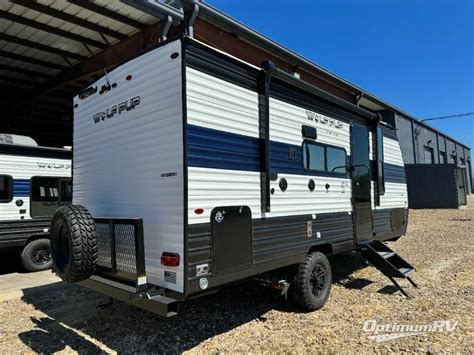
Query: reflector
(170, 259)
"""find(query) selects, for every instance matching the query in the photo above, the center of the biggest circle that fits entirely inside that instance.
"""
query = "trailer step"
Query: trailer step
(389, 263)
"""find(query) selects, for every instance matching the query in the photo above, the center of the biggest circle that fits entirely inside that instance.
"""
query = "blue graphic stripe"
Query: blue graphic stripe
(208, 148)
(280, 159)
(21, 187)
(214, 149)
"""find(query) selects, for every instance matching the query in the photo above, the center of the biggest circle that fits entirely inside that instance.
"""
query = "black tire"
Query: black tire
(36, 255)
(311, 286)
(74, 246)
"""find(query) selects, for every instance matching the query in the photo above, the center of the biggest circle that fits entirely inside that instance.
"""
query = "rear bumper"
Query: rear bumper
(152, 300)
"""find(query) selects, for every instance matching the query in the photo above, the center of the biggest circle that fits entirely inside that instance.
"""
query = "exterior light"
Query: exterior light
(203, 283)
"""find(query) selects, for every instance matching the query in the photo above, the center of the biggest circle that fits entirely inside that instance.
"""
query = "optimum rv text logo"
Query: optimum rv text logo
(391, 331)
(117, 109)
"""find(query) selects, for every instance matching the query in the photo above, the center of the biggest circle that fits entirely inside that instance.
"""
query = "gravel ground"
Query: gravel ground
(249, 318)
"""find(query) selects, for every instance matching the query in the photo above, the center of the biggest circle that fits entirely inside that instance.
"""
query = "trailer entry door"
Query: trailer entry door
(361, 185)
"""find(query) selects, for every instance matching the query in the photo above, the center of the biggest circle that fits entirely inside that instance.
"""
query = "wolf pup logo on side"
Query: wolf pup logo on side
(316, 117)
(119, 108)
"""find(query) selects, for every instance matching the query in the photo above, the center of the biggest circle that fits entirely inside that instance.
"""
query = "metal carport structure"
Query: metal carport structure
(51, 49)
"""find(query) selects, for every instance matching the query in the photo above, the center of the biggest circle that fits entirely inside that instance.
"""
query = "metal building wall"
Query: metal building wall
(405, 136)
(416, 139)
(432, 186)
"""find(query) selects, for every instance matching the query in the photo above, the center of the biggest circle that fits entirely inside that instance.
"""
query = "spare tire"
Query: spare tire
(74, 245)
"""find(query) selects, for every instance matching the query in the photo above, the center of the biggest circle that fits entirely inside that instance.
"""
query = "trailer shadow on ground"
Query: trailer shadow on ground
(76, 318)
(11, 263)
(343, 268)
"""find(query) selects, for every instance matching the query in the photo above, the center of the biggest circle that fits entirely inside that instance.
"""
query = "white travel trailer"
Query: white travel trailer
(193, 169)
(34, 182)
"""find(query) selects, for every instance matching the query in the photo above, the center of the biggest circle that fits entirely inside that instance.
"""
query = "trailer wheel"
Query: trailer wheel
(74, 246)
(312, 284)
(36, 255)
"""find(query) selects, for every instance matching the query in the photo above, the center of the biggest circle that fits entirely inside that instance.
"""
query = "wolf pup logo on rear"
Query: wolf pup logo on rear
(117, 109)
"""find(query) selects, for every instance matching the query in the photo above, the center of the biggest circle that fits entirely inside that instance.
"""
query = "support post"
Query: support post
(165, 28)
(191, 18)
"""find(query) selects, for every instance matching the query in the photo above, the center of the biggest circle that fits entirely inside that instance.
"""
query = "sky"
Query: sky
(415, 54)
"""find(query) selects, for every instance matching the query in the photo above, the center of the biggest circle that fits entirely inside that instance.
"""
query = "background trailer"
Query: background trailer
(34, 182)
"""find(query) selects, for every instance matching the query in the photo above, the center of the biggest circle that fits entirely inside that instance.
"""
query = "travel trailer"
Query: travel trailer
(193, 170)
(34, 182)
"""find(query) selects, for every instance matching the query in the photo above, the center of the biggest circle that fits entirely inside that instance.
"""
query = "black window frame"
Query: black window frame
(11, 181)
(325, 146)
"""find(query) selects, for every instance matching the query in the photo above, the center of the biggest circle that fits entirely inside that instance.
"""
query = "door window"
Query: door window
(336, 160)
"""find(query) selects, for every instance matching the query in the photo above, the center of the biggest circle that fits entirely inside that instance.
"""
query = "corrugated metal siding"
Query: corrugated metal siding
(273, 238)
(382, 223)
(25, 32)
(287, 119)
(210, 188)
(432, 186)
(217, 104)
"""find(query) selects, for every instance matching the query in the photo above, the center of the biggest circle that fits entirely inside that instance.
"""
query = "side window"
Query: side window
(323, 158)
(6, 188)
(44, 189)
(313, 157)
(66, 190)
